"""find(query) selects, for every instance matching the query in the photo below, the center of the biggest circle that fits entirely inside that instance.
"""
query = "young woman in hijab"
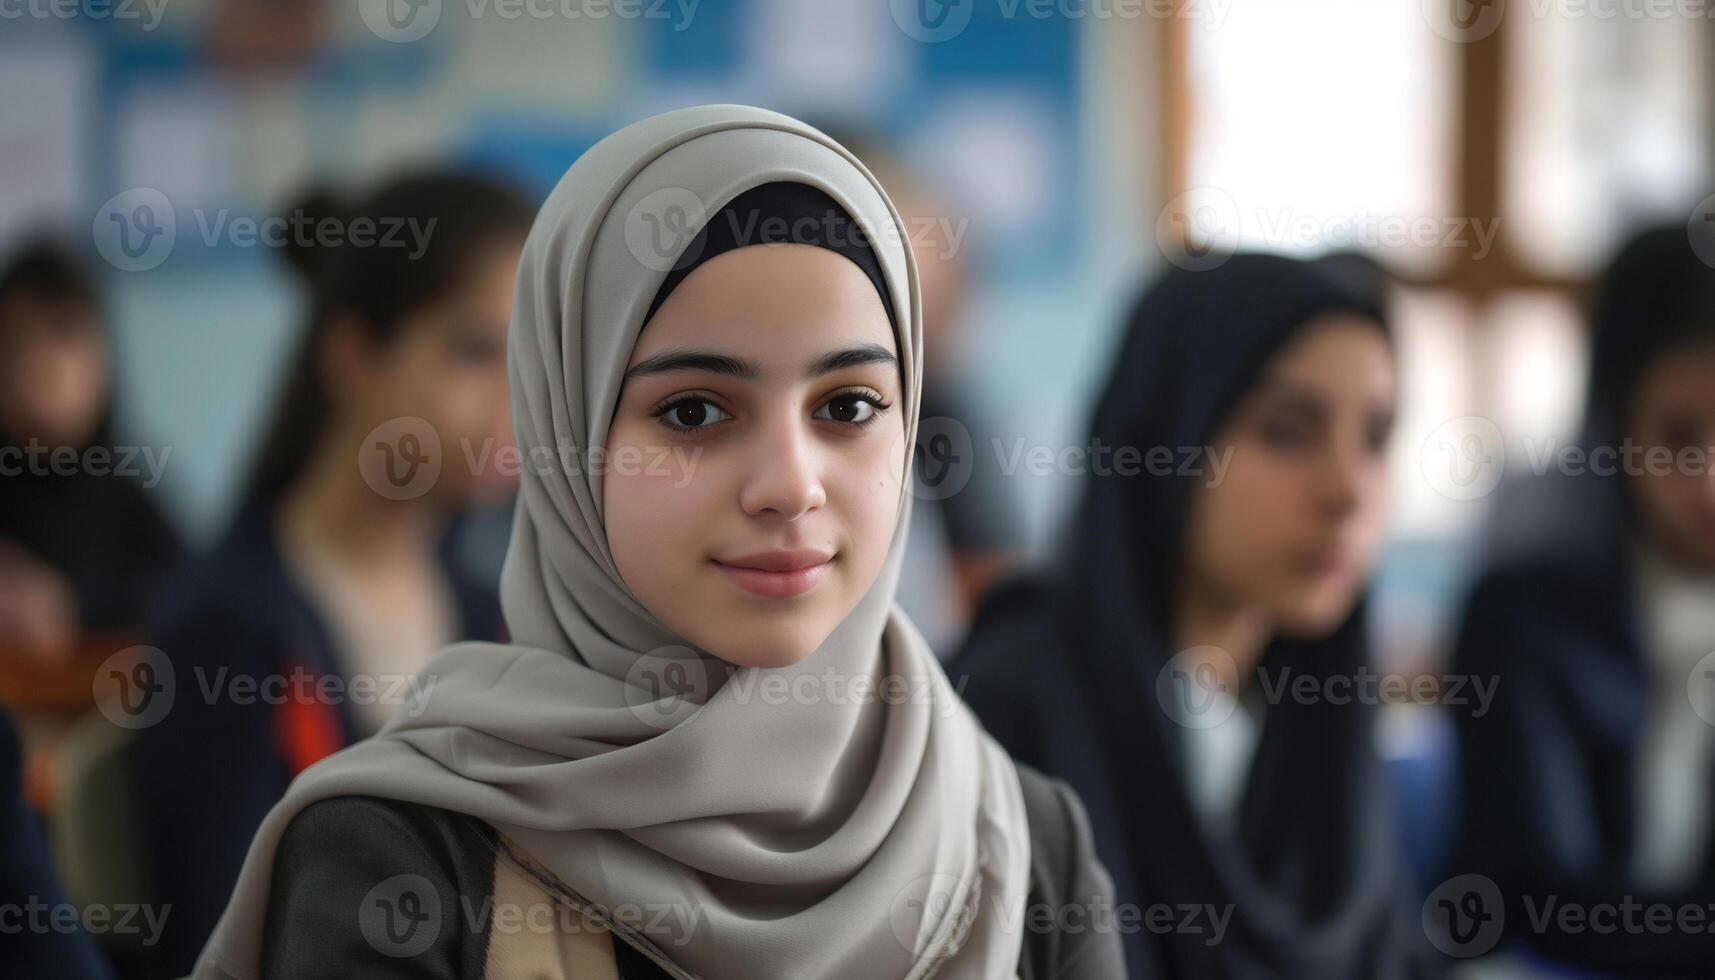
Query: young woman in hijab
(716, 345)
(297, 633)
(1588, 783)
(83, 549)
(1222, 547)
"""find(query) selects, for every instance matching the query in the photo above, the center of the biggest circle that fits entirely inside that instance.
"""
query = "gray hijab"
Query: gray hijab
(831, 837)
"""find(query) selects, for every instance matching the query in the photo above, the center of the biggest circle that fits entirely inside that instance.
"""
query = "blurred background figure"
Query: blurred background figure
(1589, 781)
(343, 564)
(83, 548)
(967, 527)
(1145, 666)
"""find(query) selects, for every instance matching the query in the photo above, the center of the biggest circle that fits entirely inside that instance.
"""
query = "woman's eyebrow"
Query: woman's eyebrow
(850, 357)
(683, 359)
(686, 359)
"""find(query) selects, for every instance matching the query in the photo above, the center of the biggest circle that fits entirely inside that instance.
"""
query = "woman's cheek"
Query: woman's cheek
(664, 491)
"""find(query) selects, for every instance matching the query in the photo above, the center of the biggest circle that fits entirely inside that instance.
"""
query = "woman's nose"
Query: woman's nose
(784, 477)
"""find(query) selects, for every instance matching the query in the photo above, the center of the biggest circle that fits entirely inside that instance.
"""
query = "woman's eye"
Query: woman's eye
(692, 413)
(848, 409)
(1283, 434)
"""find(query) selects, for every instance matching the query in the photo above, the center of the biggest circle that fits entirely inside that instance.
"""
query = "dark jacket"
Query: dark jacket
(376, 888)
(214, 766)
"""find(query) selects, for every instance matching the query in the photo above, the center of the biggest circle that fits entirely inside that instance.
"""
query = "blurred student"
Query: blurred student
(967, 525)
(1215, 565)
(82, 545)
(1588, 784)
(302, 630)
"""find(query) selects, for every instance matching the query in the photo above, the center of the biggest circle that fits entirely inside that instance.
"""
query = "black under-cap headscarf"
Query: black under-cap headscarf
(779, 213)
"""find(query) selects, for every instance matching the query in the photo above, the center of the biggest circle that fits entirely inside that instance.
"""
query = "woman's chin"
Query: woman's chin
(767, 645)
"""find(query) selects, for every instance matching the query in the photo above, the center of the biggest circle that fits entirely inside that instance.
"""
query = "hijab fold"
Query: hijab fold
(827, 837)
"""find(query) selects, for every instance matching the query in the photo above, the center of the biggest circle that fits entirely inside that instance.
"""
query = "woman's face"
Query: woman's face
(756, 455)
(53, 358)
(1673, 415)
(447, 366)
(1294, 523)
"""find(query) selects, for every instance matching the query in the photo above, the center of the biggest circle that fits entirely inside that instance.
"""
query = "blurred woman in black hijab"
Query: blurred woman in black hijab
(1588, 784)
(82, 545)
(1145, 667)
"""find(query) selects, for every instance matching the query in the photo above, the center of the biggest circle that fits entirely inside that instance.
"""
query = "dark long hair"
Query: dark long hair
(380, 283)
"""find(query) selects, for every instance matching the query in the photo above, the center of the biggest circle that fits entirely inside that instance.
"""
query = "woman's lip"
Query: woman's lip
(1325, 562)
(771, 584)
